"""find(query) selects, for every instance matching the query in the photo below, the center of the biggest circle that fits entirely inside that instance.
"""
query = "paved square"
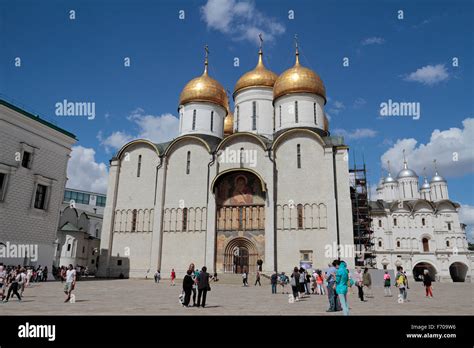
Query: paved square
(144, 297)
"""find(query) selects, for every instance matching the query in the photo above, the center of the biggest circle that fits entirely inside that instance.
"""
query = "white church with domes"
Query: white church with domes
(418, 228)
(265, 186)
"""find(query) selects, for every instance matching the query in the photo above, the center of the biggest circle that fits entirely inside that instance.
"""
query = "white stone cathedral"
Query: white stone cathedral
(266, 185)
(418, 227)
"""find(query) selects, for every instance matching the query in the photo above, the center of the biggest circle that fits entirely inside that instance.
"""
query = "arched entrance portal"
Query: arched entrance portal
(458, 271)
(240, 220)
(240, 255)
(419, 269)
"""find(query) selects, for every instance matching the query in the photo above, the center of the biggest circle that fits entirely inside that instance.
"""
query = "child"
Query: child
(173, 277)
(427, 282)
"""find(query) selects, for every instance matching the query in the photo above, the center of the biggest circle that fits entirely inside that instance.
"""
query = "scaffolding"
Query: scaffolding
(361, 219)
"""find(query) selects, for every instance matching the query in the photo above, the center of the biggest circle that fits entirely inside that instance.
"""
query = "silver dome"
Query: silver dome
(380, 184)
(389, 179)
(437, 178)
(406, 172)
(425, 185)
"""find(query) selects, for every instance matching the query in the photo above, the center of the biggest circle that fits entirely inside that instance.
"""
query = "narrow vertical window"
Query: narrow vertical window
(298, 156)
(423, 221)
(280, 116)
(380, 223)
(254, 115)
(212, 121)
(394, 222)
(296, 111)
(26, 160)
(188, 162)
(314, 113)
(134, 220)
(40, 197)
(238, 119)
(194, 119)
(426, 245)
(185, 219)
(241, 157)
(139, 167)
(449, 226)
(299, 208)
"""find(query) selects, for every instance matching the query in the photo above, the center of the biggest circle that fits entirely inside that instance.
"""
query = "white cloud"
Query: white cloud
(373, 41)
(358, 133)
(429, 75)
(358, 103)
(452, 149)
(84, 173)
(336, 107)
(151, 127)
(466, 216)
(240, 20)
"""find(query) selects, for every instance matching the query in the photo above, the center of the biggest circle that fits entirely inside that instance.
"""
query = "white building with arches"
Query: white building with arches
(184, 201)
(418, 227)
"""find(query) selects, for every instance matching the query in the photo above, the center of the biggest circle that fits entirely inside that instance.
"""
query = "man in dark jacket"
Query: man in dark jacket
(188, 283)
(427, 282)
(203, 287)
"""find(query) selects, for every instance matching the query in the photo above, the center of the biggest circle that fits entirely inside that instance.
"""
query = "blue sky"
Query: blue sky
(405, 60)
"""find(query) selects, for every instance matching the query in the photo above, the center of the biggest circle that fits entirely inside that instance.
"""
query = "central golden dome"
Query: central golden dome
(229, 124)
(299, 79)
(204, 89)
(258, 77)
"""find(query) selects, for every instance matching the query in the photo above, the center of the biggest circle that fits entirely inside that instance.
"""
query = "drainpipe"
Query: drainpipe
(164, 161)
(207, 206)
(275, 220)
(334, 149)
(154, 204)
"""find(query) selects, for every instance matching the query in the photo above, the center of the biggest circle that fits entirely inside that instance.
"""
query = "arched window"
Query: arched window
(185, 219)
(134, 220)
(241, 160)
(299, 208)
(380, 223)
(254, 115)
(212, 121)
(314, 114)
(394, 222)
(398, 244)
(238, 118)
(280, 115)
(298, 156)
(449, 226)
(447, 243)
(423, 222)
(194, 119)
(426, 244)
(139, 167)
(380, 243)
(188, 162)
(296, 111)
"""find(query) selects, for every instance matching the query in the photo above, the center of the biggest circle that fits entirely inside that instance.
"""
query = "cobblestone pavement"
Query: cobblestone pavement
(144, 297)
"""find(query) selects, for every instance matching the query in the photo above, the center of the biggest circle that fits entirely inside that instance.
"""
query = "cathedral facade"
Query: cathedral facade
(265, 186)
(418, 228)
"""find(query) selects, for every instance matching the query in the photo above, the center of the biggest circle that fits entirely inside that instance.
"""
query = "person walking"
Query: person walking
(302, 282)
(13, 280)
(157, 276)
(257, 279)
(188, 284)
(22, 281)
(245, 278)
(3, 280)
(295, 283)
(194, 275)
(70, 282)
(342, 280)
(387, 283)
(274, 282)
(173, 277)
(427, 283)
(360, 283)
(45, 274)
(401, 284)
(334, 303)
(283, 281)
(367, 282)
(319, 283)
(203, 287)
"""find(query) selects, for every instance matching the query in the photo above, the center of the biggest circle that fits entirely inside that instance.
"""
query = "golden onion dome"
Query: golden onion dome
(229, 124)
(204, 89)
(298, 79)
(258, 77)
